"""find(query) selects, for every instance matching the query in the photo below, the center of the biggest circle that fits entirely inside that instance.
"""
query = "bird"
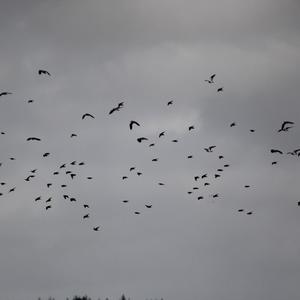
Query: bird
(73, 135)
(131, 169)
(124, 177)
(63, 185)
(160, 183)
(226, 166)
(139, 173)
(140, 139)
(114, 109)
(12, 189)
(148, 205)
(65, 196)
(241, 210)
(252, 130)
(44, 72)
(220, 170)
(151, 145)
(86, 206)
(86, 216)
(89, 177)
(175, 141)
(190, 156)
(276, 151)
(81, 163)
(49, 184)
(298, 203)
(38, 198)
(232, 124)
(246, 186)
(211, 79)
(204, 176)
(249, 213)
(206, 183)
(274, 163)
(30, 101)
(62, 166)
(195, 188)
(215, 195)
(125, 201)
(96, 228)
(200, 197)
(189, 192)
(48, 200)
(72, 199)
(72, 175)
(48, 206)
(33, 139)
(217, 175)
(46, 154)
(137, 213)
(28, 177)
(220, 89)
(283, 128)
(191, 127)
(170, 103)
(5, 94)
(33, 171)
(87, 115)
(155, 159)
(221, 156)
(161, 134)
(196, 178)
(133, 123)
(73, 163)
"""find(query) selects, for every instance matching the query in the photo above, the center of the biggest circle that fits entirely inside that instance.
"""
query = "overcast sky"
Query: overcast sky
(146, 53)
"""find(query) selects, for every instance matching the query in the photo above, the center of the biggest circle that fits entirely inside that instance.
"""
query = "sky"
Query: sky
(146, 53)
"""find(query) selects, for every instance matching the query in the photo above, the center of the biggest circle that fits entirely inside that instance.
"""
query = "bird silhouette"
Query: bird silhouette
(86, 216)
(276, 151)
(124, 177)
(73, 135)
(96, 228)
(38, 198)
(175, 141)
(113, 110)
(140, 139)
(211, 79)
(48, 200)
(220, 89)
(161, 134)
(191, 127)
(73, 199)
(33, 139)
(5, 94)
(283, 126)
(30, 101)
(139, 173)
(66, 196)
(86, 206)
(196, 178)
(87, 115)
(48, 207)
(148, 206)
(170, 103)
(200, 197)
(46, 154)
(125, 201)
(133, 123)
(44, 72)
(232, 124)
(137, 213)
(151, 145)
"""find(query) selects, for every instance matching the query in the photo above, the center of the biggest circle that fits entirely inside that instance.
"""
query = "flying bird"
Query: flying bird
(87, 115)
(170, 103)
(276, 151)
(133, 123)
(220, 89)
(48, 207)
(140, 139)
(148, 206)
(161, 134)
(232, 124)
(86, 216)
(33, 139)
(30, 101)
(191, 128)
(96, 228)
(283, 125)
(46, 154)
(211, 79)
(44, 72)
(86, 206)
(5, 94)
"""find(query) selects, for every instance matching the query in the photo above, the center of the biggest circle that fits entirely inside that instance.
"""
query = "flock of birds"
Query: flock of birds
(69, 170)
